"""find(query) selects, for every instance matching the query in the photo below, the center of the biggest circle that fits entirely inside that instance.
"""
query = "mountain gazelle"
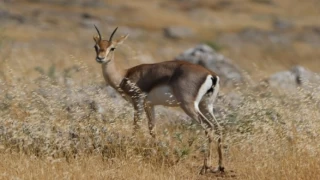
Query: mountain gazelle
(170, 83)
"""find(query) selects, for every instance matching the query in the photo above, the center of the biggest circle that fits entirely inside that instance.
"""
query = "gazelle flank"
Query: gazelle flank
(170, 83)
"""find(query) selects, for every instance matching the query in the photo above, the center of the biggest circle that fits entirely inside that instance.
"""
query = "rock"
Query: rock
(178, 32)
(316, 29)
(89, 23)
(88, 20)
(93, 3)
(204, 55)
(110, 19)
(6, 16)
(255, 36)
(260, 36)
(280, 24)
(305, 77)
(86, 15)
(267, 2)
(284, 79)
(133, 32)
(297, 76)
(221, 5)
(203, 15)
(310, 35)
(85, 3)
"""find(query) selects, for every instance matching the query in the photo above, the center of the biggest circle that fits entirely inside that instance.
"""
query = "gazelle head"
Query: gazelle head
(105, 48)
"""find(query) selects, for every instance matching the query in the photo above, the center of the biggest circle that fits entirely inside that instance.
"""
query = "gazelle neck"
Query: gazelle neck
(112, 74)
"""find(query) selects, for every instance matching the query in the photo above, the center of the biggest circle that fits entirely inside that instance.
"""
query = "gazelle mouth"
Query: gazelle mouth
(102, 61)
(99, 60)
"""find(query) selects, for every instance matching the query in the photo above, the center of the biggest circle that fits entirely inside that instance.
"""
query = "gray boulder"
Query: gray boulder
(259, 36)
(310, 35)
(297, 76)
(204, 55)
(282, 24)
(178, 32)
(282, 35)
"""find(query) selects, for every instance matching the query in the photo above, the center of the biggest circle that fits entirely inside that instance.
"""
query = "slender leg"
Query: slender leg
(207, 110)
(218, 131)
(208, 158)
(138, 110)
(149, 109)
(203, 121)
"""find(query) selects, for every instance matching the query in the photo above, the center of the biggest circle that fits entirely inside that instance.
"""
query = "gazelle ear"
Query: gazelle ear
(96, 39)
(121, 39)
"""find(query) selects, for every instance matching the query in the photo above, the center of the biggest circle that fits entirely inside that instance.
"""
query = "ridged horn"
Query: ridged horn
(98, 32)
(114, 31)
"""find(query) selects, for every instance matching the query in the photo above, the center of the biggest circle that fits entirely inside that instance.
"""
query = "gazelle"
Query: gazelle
(171, 83)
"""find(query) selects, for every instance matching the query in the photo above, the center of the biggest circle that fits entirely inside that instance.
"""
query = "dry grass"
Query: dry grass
(53, 127)
(56, 122)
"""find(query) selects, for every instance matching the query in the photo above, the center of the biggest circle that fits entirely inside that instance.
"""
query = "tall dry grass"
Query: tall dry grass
(60, 123)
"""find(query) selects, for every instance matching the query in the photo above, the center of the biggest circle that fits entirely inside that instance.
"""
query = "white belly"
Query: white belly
(162, 95)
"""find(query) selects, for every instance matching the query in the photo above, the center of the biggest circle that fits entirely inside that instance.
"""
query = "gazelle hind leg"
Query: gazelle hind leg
(218, 131)
(193, 111)
(206, 107)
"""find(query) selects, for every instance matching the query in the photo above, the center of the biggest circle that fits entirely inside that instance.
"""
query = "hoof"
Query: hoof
(219, 169)
(153, 135)
(206, 169)
(203, 170)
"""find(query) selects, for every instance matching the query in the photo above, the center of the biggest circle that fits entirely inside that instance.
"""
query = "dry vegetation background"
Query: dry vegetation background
(59, 122)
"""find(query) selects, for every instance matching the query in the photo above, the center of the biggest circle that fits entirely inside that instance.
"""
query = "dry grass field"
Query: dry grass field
(53, 126)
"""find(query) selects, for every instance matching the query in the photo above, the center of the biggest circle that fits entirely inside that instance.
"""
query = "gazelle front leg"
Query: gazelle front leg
(138, 111)
(149, 109)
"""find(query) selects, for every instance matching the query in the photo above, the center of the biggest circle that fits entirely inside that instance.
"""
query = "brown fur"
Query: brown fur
(179, 75)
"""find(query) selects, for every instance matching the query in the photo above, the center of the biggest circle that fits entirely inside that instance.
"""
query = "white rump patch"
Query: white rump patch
(207, 84)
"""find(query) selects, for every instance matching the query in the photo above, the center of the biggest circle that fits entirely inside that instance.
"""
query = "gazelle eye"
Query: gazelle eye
(112, 49)
(96, 47)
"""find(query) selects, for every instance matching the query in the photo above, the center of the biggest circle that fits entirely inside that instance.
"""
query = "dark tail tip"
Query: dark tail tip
(214, 80)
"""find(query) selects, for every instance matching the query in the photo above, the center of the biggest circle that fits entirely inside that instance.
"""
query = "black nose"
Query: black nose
(99, 59)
